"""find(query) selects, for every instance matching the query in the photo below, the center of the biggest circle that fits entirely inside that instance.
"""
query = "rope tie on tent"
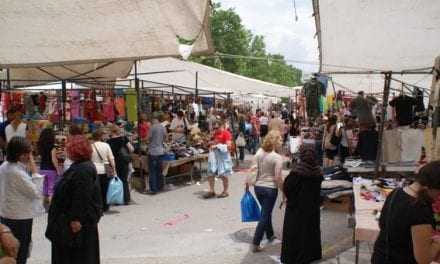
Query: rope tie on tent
(294, 8)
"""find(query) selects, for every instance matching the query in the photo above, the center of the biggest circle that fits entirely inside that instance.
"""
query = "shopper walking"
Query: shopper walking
(346, 134)
(267, 182)
(76, 209)
(330, 149)
(3, 125)
(276, 123)
(156, 139)
(264, 125)
(220, 153)
(301, 229)
(122, 149)
(16, 128)
(407, 221)
(18, 194)
(104, 161)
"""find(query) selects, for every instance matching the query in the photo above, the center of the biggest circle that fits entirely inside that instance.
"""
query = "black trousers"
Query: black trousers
(241, 149)
(22, 230)
(103, 183)
(122, 171)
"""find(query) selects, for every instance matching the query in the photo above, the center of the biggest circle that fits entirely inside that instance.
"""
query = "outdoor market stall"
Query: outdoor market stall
(381, 47)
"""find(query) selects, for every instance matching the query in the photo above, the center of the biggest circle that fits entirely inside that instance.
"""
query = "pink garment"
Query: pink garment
(75, 104)
(108, 109)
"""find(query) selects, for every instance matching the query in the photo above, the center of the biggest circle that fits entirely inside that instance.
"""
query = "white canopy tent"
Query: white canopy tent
(53, 40)
(376, 35)
(183, 73)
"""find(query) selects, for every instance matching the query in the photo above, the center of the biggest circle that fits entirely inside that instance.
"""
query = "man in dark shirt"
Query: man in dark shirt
(404, 106)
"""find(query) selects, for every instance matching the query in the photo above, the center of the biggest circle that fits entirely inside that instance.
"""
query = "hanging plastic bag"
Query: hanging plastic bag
(115, 192)
(212, 163)
(250, 211)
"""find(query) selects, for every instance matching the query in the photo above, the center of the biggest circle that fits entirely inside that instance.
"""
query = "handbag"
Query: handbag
(109, 171)
(335, 140)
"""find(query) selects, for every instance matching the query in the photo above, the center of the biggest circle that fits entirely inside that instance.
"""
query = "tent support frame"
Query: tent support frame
(386, 95)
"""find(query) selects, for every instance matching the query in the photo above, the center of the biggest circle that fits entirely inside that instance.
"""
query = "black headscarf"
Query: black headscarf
(305, 174)
(308, 165)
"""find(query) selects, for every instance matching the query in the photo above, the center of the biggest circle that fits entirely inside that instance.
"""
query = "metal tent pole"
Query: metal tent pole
(138, 102)
(63, 100)
(386, 93)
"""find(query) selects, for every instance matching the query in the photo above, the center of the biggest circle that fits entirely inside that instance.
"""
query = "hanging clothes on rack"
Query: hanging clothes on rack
(108, 109)
(418, 95)
(361, 107)
(120, 106)
(313, 89)
(75, 104)
(42, 99)
(404, 106)
(131, 105)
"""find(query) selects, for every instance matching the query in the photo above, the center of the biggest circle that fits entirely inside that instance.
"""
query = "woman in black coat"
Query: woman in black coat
(301, 230)
(76, 209)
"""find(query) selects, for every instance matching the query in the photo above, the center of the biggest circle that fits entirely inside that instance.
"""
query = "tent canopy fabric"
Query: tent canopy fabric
(376, 35)
(209, 78)
(65, 39)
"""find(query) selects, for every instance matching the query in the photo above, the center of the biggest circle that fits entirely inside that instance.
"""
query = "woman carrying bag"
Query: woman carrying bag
(104, 161)
(267, 181)
(122, 149)
(330, 142)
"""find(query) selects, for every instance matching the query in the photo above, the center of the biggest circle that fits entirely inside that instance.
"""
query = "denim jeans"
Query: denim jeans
(252, 144)
(267, 198)
(155, 173)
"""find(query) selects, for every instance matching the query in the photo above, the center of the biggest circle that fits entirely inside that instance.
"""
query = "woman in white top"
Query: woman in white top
(18, 194)
(102, 156)
(267, 182)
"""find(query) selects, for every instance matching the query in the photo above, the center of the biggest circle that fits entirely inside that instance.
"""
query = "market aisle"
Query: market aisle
(179, 227)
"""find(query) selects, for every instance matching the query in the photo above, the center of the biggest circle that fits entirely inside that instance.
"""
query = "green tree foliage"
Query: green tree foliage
(231, 37)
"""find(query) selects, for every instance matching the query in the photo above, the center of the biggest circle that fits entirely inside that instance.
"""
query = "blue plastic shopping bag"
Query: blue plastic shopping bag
(115, 192)
(250, 211)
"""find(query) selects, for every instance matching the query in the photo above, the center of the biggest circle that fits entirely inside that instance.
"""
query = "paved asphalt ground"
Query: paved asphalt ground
(178, 226)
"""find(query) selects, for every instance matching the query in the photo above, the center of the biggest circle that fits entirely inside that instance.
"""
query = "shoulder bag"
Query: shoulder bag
(107, 166)
(335, 140)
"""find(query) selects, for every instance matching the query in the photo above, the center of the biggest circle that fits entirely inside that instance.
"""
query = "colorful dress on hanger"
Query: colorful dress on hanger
(120, 106)
(108, 109)
(75, 104)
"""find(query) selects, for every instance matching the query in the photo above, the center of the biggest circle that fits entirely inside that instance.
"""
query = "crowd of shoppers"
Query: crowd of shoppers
(76, 188)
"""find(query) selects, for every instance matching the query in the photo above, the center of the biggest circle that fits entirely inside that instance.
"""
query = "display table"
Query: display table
(391, 170)
(141, 161)
(367, 227)
(167, 165)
